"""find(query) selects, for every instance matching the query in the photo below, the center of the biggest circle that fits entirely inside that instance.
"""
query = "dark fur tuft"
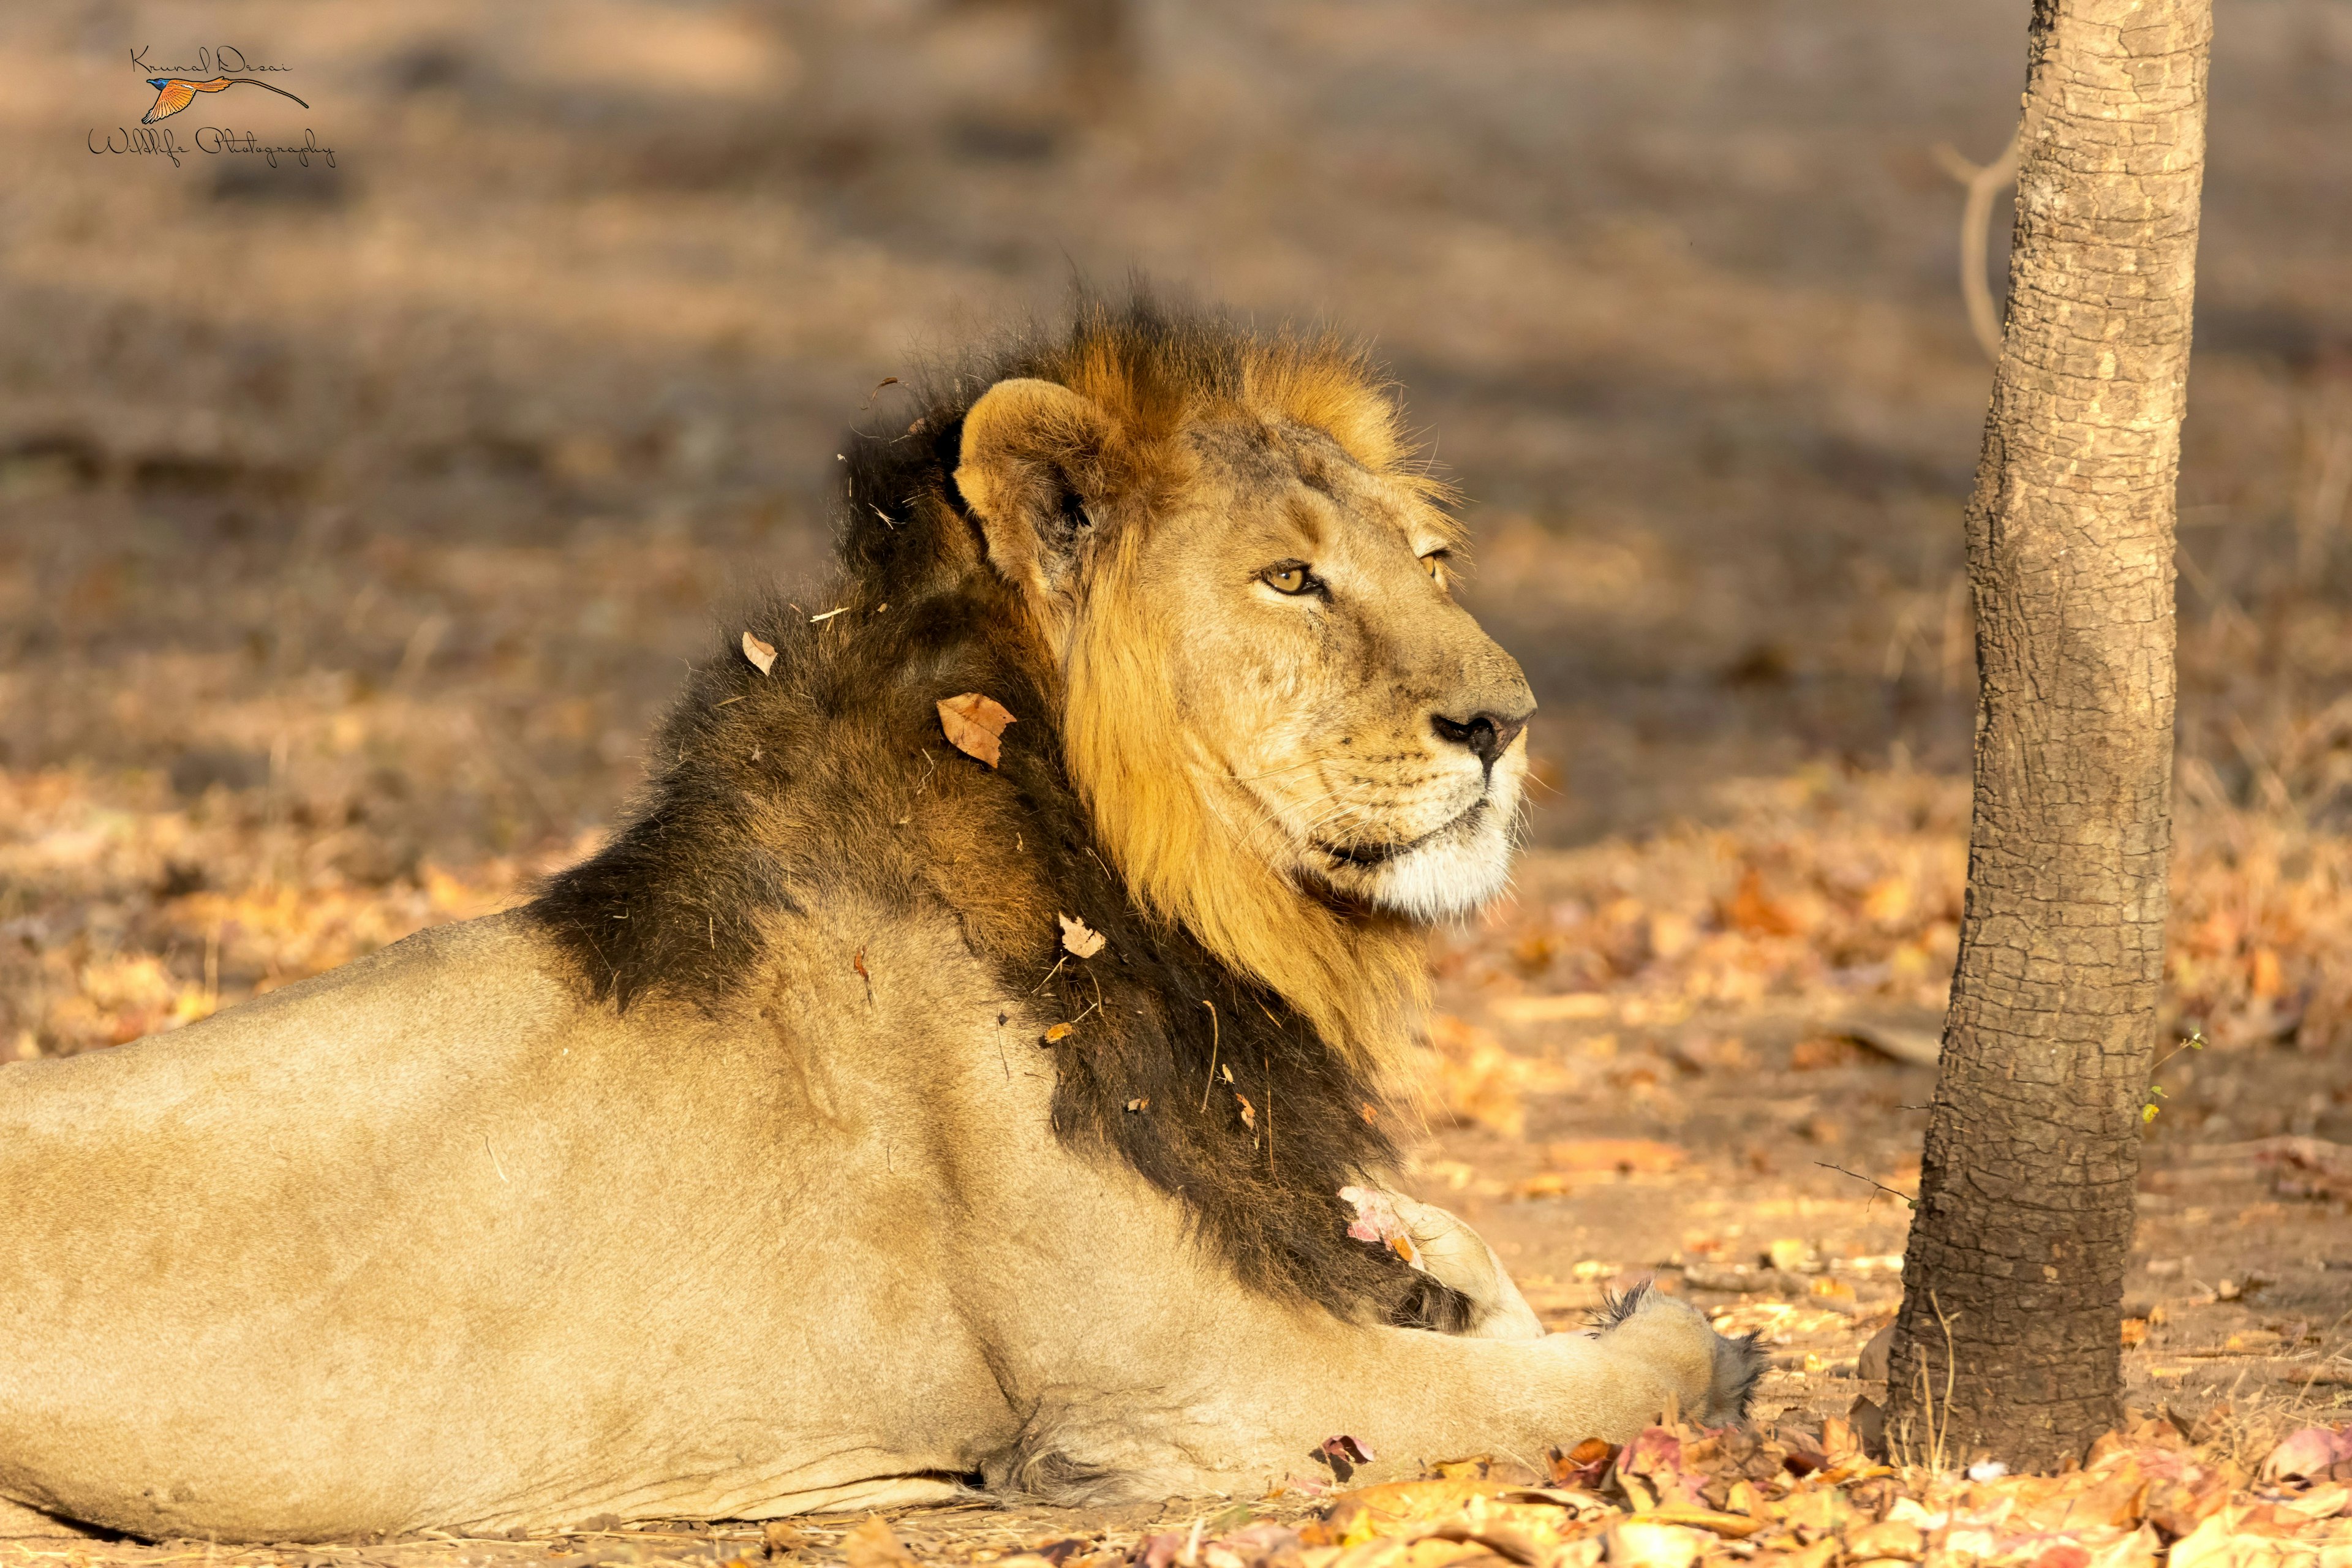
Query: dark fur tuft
(1616, 1306)
(1735, 1364)
(1740, 1365)
(831, 772)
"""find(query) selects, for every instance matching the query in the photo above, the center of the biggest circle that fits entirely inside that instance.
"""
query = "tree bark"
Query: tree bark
(2008, 1345)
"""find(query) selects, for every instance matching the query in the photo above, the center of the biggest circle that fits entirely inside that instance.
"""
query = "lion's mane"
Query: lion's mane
(831, 772)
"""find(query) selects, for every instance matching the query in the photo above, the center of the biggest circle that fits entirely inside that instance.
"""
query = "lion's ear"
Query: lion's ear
(1033, 468)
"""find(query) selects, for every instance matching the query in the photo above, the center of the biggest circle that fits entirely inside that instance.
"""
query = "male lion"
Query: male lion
(783, 1156)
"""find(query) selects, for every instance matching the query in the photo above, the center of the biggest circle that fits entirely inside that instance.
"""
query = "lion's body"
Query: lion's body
(734, 1177)
(428, 1241)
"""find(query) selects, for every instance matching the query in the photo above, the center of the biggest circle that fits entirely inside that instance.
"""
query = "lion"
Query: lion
(875, 1120)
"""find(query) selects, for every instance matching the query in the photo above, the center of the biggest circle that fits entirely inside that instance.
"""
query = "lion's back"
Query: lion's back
(480, 978)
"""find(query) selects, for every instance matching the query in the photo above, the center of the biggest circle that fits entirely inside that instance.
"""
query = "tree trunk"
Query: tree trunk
(2008, 1345)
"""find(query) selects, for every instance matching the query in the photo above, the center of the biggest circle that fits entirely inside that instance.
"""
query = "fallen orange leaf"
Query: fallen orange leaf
(1735, 1525)
(1753, 914)
(874, 1544)
(1397, 1503)
(1643, 1544)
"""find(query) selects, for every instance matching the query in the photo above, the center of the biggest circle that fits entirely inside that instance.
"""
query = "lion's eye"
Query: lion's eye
(1289, 578)
(1434, 564)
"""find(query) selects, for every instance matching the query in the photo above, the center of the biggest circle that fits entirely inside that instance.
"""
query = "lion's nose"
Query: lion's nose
(1488, 735)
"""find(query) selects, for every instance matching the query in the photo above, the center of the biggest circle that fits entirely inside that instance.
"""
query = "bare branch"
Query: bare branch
(1983, 181)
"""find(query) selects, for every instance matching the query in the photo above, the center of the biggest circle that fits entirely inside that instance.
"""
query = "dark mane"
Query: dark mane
(832, 772)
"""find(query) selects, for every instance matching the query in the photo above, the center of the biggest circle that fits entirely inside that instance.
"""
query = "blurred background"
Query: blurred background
(355, 522)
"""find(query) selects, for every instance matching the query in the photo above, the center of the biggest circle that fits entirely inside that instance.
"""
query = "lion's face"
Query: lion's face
(1339, 708)
(1261, 648)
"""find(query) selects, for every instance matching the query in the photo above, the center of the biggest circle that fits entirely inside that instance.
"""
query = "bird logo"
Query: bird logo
(175, 93)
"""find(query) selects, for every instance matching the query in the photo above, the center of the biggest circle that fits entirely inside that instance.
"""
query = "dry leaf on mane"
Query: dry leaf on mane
(973, 723)
(1082, 942)
(1378, 1222)
(762, 655)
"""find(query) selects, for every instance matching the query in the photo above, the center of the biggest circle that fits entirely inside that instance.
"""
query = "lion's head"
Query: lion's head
(1213, 577)
(1288, 732)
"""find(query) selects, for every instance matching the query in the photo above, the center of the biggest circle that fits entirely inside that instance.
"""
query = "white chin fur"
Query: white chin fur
(1457, 876)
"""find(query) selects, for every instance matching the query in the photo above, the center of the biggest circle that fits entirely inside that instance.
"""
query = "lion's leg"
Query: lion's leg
(1655, 1353)
(1256, 1404)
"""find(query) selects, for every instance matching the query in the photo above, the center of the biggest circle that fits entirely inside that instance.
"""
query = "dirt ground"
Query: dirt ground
(355, 519)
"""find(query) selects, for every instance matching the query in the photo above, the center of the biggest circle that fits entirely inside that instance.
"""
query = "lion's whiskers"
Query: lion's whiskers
(1274, 773)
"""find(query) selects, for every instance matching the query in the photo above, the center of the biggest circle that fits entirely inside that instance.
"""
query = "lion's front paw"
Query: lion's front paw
(1455, 1256)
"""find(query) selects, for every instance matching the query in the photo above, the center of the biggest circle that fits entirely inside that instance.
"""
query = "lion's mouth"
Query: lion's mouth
(1366, 855)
